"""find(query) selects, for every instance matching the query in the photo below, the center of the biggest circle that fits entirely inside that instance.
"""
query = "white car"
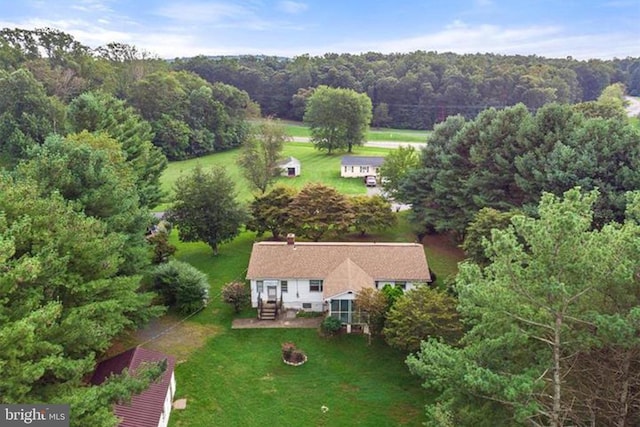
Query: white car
(370, 181)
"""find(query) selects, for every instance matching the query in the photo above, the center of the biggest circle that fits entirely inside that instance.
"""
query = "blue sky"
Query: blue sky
(552, 28)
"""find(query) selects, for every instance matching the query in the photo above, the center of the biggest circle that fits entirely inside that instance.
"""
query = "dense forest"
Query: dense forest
(416, 90)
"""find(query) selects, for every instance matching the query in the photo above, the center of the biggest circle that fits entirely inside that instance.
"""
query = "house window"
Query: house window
(342, 309)
(364, 169)
(315, 285)
(345, 169)
(352, 168)
(401, 285)
(259, 286)
(284, 286)
(306, 305)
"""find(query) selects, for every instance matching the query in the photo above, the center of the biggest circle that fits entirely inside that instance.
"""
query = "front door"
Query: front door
(272, 293)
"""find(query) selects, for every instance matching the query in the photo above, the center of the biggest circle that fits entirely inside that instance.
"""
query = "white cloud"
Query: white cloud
(203, 12)
(458, 37)
(292, 7)
(91, 6)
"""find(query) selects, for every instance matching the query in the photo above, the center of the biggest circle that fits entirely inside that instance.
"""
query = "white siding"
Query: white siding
(168, 401)
(359, 171)
(297, 294)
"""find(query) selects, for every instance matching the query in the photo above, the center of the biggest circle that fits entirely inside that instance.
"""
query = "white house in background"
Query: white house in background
(360, 166)
(152, 407)
(290, 167)
(326, 276)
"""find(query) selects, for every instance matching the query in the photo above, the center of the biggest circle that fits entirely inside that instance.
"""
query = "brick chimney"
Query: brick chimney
(291, 239)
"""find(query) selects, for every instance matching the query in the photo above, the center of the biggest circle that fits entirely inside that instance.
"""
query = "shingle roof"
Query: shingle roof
(289, 160)
(145, 408)
(319, 260)
(362, 161)
(348, 276)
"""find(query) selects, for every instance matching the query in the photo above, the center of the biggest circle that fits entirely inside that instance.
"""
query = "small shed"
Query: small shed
(152, 407)
(290, 167)
(360, 166)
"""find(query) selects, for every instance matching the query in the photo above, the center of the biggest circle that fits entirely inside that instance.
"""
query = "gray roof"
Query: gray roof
(289, 161)
(362, 161)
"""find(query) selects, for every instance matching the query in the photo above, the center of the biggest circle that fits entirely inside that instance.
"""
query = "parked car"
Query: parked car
(370, 181)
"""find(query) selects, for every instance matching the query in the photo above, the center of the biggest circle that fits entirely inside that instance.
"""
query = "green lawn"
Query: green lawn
(238, 379)
(317, 166)
(298, 129)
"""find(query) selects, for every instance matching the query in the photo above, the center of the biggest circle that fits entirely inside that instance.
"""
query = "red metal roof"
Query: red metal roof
(145, 408)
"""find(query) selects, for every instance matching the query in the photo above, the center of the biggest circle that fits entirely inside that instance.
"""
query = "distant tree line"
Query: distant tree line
(419, 89)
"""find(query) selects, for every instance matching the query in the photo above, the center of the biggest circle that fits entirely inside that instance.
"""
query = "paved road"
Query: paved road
(633, 106)
(379, 144)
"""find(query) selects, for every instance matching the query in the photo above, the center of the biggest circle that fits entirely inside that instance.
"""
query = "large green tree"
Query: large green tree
(372, 213)
(421, 313)
(27, 114)
(91, 170)
(101, 112)
(318, 210)
(338, 118)
(397, 164)
(270, 211)
(479, 232)
(261, 152)
(190, 116)
(63, 297)
(505, 160)
(205, 207)
(556, 298)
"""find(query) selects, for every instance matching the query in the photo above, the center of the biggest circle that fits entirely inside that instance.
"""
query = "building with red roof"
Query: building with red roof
(152, 407)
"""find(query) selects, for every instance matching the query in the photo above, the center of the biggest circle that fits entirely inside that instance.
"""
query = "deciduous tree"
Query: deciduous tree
(397, 164)
(372, 306)
(205, 207)
(261, 152)
(318, 210)
(478, 233)
(372, 213)
(422, 312)
(270, 211)
(338, 118)
(237, 294)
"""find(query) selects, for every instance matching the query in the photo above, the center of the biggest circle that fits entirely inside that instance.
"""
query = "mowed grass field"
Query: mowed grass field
(317, 166)
(298, 129)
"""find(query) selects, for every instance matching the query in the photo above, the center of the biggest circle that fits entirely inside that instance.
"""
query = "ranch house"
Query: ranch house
(326, 276)
(360, 166)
